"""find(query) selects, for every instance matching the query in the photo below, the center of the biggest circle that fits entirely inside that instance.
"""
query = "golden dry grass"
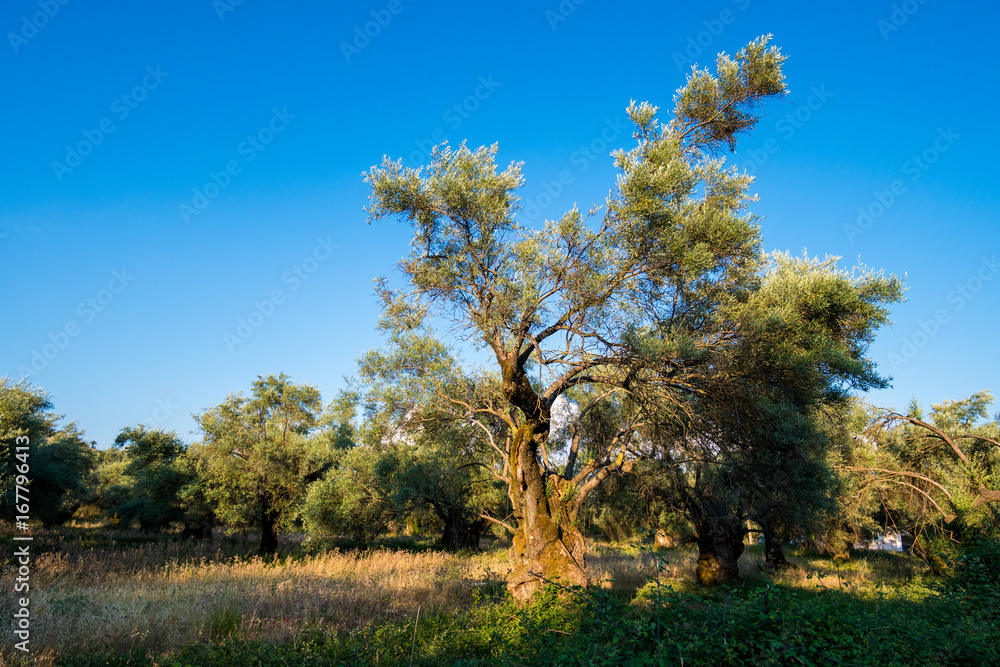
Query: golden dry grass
(161, 595)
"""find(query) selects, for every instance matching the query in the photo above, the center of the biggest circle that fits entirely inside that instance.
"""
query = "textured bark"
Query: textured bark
(720, 545)
(986, 496)
(774, 555)
(461, 531)
(547, 544)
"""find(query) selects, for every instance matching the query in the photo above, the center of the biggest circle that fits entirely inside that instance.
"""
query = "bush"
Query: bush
(973, 574)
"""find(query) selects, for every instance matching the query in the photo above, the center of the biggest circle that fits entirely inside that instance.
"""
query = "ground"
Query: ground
(118, 597)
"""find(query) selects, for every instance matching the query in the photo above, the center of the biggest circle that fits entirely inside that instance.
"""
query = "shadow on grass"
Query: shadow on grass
(759, 624)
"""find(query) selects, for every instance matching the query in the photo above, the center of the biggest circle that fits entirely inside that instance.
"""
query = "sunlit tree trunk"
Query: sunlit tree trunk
(547, 544)
(720, 545)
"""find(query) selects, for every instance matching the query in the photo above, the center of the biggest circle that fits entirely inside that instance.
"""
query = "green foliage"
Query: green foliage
(937, 480)
(59, 459)
(973, 576)
(256, 456)
(150, 480)
(420, 454)
(355, 497)
(225, 623)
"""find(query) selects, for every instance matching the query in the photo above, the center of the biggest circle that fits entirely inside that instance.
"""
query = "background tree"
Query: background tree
(753, 447)
(158, 484)
(423, 448)
(60, 460)
(151, 481)
(256, 458)
(357, 496)
(935, 478)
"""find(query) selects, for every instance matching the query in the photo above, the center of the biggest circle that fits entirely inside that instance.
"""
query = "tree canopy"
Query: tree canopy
(257, 455)
(650, 299)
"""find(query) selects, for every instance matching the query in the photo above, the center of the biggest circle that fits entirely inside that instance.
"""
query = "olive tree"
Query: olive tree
(256, 455)
(568, 305)
(755, 448)
(422, 447)
(159, 483)
(58, 461)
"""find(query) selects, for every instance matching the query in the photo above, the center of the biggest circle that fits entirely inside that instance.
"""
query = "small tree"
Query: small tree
(256, 455)
(59, 459)
(931, 478)
(157, 483)
(423, 447)
(151, 481)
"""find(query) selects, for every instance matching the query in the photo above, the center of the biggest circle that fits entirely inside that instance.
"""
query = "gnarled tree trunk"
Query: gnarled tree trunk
(461, 531)
(547, 544)
(720, 545)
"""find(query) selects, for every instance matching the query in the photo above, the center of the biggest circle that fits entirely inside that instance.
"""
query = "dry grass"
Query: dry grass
(121, 600)
(161, 595)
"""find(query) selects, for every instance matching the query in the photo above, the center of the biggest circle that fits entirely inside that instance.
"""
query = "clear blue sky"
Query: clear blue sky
(116, 112)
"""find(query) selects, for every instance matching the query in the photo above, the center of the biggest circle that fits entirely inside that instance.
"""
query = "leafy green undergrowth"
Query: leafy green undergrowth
(760, 624)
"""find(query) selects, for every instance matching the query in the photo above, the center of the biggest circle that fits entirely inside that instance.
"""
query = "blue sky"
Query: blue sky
(173, 168)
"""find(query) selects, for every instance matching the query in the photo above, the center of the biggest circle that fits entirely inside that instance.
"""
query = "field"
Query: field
(107, 597)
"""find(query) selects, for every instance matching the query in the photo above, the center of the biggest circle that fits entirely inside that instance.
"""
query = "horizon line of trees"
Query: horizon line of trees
(378, 460)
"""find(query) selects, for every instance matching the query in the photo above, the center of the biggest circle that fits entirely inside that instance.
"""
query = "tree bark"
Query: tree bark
(720, 545)
(268, 534)
(547, 543)
(461, 531)
(201, 530)
(774, 555)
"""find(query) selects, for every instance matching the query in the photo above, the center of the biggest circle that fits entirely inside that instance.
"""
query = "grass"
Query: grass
(99, 597)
